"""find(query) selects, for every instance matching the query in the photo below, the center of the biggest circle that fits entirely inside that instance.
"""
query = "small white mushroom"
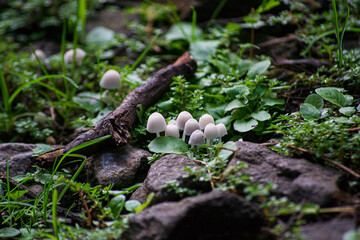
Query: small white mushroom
(156, 123)
(183, 117)
(69, 55)
(205, 120)
(172, 130)
(190, 126)
(172, 122)
(221, 130)
(40, 54)
(210, 132)
(110, 80)
(196, 138)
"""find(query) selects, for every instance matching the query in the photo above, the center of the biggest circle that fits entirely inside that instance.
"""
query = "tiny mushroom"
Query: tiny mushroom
(40, 54)
(156, 123)
(190, 126)
(210, 133)
(205, 120)
(172, 130)
(196, 139)
(221, 130)
(69, 55)
(182, 119)
(110, 80)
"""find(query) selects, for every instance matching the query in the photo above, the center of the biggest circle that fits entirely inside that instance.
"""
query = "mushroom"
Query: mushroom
(110, 80)
(69, 55)
(210, 133)
(156, 123)
(40, 54)
(190, 126)
(183, 117)
(205, 120)
(172, 130)
(196, 139)
(221, 130)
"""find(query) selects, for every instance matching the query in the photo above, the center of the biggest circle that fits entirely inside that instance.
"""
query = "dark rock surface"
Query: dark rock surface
(214, 215)
(123, 166)
(19, 155)
(167, 168)
(333, 229)
(298, 179)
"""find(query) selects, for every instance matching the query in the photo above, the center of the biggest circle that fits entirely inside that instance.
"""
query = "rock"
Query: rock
(333, 229)
(213, 215)
(122, 167)
(165, 169)
(19, 155)
(298, 179)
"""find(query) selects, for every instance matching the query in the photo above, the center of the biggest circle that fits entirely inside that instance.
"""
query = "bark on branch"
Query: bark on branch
(119, 122)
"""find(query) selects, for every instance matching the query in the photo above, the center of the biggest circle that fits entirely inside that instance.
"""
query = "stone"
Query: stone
(333, 229)
(165, 169)
(123, 167)
(298, 179)
(20, 158)
(213, 215)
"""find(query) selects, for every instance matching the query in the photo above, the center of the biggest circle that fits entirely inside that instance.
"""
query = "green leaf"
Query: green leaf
(315, 100)
(326, 112)
(237, 90)
(344, 120)
(168, 145)
(332, 95)
(258, 68)
(203, 49)
(272, 102)
(352, 235)
(261, 115)
(310, 208)
(347, 111)
(144, 205)
(182, 31)
(245, 125)
(116, 205)
(16, 195)
(309, 111)
(89, 101)
(234, 104)
(41, 149)
(259, 91)
(9, 232)
(225, 154)
(131, 205)
(349, 99)
(358, 108)
(100, 35)
(267, 5)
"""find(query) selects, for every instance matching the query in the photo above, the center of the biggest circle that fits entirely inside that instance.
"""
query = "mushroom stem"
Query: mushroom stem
(183, 136)
(191, 152)
(208, 144)
(157, 134)
(219, 139)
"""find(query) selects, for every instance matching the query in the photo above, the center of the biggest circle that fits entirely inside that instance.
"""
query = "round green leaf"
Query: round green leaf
(100, 35)
(315, 100)
(245, 125)
(116, 204)
(332, 95)
(347, 111)
(203, 49)
(234, 104)
(326, 112)
(8, 232)
(182, 31)
(258, 68)
(309, 111)
(261, 115)
(168, 145)
(131, 205)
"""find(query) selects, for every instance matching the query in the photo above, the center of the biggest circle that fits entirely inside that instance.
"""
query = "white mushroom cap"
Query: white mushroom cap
(156, 123)
(172, 122)
(211, 131)
(172, 130)
(68, 56)
(40, 54)
(110, 80)
(197, 138)
(183, 117)
(205, 120)
(221, 129)
(190, 126)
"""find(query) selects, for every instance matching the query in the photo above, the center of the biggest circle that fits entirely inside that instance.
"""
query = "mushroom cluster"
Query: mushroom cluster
(190, 127)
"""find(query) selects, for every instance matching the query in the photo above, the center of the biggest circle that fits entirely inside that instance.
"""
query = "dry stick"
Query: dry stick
(339, 165)
(119, 122)
(87, 210)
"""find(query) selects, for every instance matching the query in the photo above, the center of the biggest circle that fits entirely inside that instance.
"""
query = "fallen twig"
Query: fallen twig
(119, 122)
